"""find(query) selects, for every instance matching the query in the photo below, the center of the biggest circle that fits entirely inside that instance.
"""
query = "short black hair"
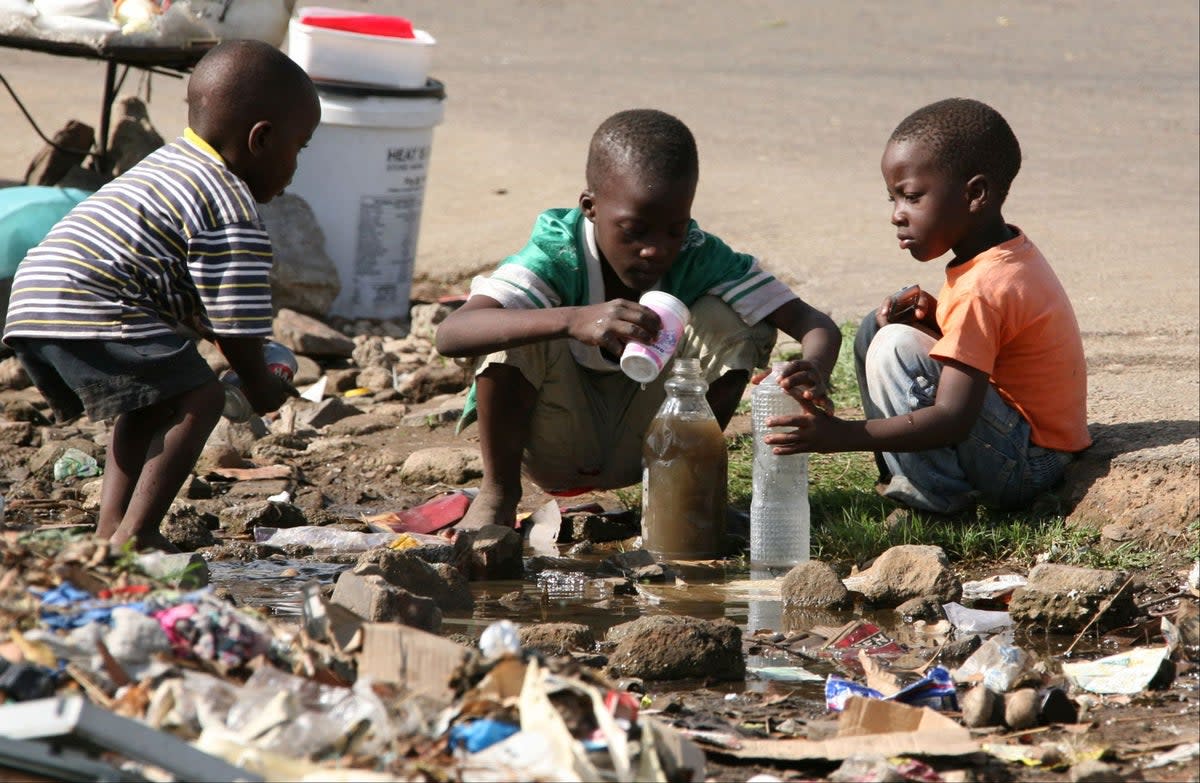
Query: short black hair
(241, 81)
(965, 137)
(654, 145)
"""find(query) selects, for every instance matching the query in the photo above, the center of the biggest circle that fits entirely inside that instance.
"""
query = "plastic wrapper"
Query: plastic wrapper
(325, 539)
(935, 690)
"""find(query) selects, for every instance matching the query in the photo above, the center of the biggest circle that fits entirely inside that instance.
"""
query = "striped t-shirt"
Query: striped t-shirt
(560, 267)
(176, 240)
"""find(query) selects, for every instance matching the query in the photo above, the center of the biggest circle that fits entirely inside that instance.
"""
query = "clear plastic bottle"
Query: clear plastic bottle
(685, 472)
(779, 522)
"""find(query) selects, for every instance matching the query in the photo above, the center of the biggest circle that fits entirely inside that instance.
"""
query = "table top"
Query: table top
(176, 57)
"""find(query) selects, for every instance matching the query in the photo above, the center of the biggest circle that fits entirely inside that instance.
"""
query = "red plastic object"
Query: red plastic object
(430, 516)
(363, 24)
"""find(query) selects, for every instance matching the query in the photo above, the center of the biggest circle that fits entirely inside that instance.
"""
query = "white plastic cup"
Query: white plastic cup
(643, 362)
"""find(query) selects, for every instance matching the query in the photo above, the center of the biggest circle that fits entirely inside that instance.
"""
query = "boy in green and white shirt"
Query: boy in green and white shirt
(550, 323)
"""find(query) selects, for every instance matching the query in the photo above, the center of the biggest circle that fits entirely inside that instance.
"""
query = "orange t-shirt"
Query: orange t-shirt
(1005, 312)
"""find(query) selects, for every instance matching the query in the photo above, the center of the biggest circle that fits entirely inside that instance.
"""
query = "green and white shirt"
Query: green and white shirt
(561, 267)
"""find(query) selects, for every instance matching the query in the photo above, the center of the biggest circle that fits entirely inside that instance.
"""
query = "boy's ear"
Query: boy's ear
(257, 138)
(978, 193)
(587, 204)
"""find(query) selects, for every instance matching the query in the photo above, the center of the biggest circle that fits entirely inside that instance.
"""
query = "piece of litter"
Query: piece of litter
(1129, 672)
(784, 673)
(315, 392)
(282, 497)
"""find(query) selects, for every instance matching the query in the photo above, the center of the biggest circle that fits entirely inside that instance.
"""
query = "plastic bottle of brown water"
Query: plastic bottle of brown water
(685, 472)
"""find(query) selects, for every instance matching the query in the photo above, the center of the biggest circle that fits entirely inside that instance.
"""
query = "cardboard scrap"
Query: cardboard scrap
(251, 474)
(895, 730)
(408, 656)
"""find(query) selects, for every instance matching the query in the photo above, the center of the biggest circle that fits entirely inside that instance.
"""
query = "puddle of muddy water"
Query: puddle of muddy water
(272, 585)
(579, 591)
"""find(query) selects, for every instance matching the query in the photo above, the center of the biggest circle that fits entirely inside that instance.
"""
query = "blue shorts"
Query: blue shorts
(106, 378)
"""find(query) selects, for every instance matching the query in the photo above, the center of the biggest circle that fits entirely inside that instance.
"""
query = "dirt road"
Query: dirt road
(791, 104)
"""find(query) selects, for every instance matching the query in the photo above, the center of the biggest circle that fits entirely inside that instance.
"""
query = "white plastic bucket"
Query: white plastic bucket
(364, 175)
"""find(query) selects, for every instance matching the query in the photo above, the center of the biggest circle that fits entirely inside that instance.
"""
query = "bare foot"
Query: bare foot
(153, 539)
(492, 506)
(147, 539)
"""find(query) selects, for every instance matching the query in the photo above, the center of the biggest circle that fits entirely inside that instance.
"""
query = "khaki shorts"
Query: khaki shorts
(588, 425)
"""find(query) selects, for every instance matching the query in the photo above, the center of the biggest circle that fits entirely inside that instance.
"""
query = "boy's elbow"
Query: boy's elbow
(447, 346)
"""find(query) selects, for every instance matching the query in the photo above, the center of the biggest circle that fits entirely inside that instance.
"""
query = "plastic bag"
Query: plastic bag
(999, 664)
(74, 462)
(328, 539)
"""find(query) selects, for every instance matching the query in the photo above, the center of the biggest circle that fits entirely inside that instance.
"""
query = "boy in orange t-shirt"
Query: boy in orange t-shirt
(980, 394)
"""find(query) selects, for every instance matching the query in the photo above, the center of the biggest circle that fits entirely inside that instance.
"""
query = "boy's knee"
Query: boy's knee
(898, 345)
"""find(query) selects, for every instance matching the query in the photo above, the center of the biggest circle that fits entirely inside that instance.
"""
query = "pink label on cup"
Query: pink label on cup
(643, 362)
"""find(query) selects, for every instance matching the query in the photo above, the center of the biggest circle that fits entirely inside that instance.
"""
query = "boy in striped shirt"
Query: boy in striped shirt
(100, 308)
(548, 325)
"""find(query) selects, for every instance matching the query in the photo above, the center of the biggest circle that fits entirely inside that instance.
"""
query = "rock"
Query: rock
(324, 413)
(676, 647)
(16, 433)
(424, 319)
(599, 528)
(24, 410)
(907, 571)
(431, 380)
(1065, 598)
(195, 488)
(814, 584)
(238, 550)
(13, 375)
(1021, 709)
(496, 553)
(1057, 707)
(257, 490)
(924, 608)
(1187, 620)
(54, 160)
(186, 570)
(375, 378)
(310, 337)
(243, 518)
(637, 564)
(1093, 771)
(445, 585)
(133, 138)
(444, 409)
(186, 529)
(442, 465)
(373, 598)
(959, 648)
(557, 638)
(362, 424)
(303, 277)
(981, 708)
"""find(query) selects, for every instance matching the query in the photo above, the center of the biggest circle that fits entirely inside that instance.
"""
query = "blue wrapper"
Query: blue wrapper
(935, 690)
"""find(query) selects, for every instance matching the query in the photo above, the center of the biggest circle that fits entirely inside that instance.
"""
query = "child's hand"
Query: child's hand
(806, 383)
(809, 433)
(269, 394)
(906, 306)
(610, 325)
